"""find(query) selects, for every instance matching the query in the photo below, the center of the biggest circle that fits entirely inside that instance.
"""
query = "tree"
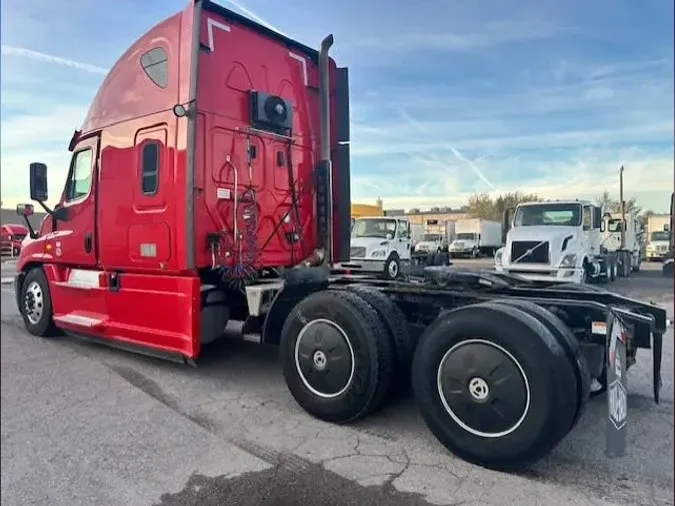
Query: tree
(485, 207)
(612, 205)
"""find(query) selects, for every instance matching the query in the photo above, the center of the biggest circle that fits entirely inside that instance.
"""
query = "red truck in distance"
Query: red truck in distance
(209, 184)
(11, 237)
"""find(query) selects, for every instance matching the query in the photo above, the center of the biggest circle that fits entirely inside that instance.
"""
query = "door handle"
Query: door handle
(87, 242)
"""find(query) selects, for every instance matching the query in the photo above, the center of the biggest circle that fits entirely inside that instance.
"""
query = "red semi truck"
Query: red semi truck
(11, 237)
(209, 183)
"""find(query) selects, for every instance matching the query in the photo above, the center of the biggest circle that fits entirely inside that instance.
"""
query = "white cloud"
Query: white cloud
(492, 33)
(39, 137)
(585, 175)
(35, 55)
(249, 13)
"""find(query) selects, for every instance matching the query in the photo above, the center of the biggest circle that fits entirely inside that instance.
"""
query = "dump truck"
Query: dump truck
(218, 192)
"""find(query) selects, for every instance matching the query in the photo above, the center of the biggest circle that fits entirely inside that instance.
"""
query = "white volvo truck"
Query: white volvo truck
(475, 237)
(555, 241)
(379, 244)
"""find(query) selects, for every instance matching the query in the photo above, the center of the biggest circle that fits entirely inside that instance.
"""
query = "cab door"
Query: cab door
(74, 239)
(402, 242)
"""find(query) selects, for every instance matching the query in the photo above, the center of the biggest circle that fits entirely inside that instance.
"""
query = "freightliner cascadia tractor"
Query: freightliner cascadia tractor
(209, 184)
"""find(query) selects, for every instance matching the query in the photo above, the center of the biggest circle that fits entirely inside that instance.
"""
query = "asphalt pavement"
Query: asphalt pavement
(86, 424)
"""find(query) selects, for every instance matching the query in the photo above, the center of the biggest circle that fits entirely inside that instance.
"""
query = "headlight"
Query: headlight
(378, 253)
(569, 261)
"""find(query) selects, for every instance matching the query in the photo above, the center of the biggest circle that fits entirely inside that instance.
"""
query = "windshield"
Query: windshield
(374, 227)
(614, 225)
(568, 215)
(431, 237)
(660, 236)
(466, 236)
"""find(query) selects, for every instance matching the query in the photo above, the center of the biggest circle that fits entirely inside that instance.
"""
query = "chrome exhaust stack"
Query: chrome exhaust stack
(324, 179)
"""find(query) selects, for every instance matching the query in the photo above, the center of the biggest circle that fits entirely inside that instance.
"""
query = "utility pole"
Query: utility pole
(623, 209)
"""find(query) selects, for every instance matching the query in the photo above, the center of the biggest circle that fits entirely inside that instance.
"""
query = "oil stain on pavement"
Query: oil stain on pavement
(280, 486)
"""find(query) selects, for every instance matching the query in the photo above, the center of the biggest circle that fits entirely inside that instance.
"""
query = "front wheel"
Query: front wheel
(35, 304)
(392, 267)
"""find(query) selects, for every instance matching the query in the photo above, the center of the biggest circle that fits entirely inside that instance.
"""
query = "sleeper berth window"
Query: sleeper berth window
(156, 66)
(150, 167)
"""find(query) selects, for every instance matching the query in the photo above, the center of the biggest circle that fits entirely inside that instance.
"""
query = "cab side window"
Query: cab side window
(404, 229)
(79, 182)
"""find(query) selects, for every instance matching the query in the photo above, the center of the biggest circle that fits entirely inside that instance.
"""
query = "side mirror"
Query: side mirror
(38, 182)
(507, 221)
(61, 213)
(25, 210)
(596, 217)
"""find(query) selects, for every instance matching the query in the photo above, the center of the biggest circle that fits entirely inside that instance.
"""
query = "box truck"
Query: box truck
(475, 237)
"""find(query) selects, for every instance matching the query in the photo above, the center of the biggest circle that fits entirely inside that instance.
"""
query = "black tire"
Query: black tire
(524, 345)
(612, 269)
(35, 304)
(575, 387)
(440, 259)
(584, 274)
(392, 267)
(366, 341)
(636, 265)
(397, 327)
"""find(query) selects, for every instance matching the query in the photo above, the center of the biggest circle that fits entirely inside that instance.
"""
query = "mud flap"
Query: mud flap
(617, 391)
(657, 350)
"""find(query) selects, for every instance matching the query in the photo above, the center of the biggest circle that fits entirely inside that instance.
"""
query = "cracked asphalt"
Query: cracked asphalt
(86, 424)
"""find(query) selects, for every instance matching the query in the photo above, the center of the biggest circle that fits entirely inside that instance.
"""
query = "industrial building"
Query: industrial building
(440, 214)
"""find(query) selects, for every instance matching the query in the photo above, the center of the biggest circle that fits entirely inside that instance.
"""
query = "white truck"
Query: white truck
(632, 242)
(437, 236)
(658, 237)
(416, 233)
(556, 241)
(475, 237)
(379, 244)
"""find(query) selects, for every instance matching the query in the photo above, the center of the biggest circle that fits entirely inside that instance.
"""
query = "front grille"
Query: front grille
(357, 252)
(661, 248)
(538, 255)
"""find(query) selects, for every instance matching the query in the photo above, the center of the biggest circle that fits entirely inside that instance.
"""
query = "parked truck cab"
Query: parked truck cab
(214, 153)
(380, 244)
(553, 240)
(11, 239)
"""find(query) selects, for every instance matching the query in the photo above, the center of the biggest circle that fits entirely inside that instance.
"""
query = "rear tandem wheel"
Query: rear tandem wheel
(336, 355)
(486, 378)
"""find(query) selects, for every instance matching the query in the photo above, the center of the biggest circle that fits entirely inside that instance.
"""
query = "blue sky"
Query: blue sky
(449, 98)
